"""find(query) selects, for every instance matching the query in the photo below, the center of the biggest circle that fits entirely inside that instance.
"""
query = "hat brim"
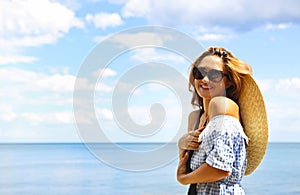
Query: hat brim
(255, 123)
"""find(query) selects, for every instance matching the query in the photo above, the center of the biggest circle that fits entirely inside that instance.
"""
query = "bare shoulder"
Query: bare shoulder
(223, 106)
(192, 119)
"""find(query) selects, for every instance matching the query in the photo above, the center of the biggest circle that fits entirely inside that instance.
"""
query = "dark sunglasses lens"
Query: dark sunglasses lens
(215, 75)
(197, 74)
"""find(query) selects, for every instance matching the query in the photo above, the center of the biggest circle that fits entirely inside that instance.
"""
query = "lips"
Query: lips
(205, 87)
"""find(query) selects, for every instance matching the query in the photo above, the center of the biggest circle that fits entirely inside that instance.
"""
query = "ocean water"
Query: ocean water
(73, 169)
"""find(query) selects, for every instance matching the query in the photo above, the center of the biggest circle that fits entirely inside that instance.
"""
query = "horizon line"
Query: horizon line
(55, 142)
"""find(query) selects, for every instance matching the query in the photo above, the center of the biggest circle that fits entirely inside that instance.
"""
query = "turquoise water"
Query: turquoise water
(73, 169)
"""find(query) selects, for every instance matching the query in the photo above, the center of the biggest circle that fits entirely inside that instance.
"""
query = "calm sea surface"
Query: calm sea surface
(73, 169)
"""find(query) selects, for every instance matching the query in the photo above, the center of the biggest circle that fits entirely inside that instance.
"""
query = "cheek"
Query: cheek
(225, 85)
(222, 85)
(222, 88)
(197, 84)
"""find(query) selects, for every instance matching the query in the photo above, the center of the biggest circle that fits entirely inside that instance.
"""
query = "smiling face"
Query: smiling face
(206, 88)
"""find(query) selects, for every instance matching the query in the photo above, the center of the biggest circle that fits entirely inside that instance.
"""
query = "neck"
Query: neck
(205, 105)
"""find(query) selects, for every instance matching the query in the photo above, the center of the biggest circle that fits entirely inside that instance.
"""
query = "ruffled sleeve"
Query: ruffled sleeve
(224, 131)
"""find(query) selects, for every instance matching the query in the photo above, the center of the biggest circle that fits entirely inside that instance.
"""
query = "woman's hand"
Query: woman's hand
(181, 170)
(190, 141)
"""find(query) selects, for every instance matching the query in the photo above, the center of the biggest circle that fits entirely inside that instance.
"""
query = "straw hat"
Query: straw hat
(255, 123)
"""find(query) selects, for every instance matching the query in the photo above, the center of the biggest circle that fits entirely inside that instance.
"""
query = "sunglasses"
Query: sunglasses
(213, 75)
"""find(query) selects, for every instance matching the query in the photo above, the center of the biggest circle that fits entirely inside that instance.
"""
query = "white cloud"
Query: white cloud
(280, 26)
(7, 113)
(32, 23)
(16, 59)
(72, 4)
(103, 87)
(212, 37)
(282, 103)
(50, 96)
(24, 91)
(16, 75)
(29, 40)
(135, 8)
(141, 38)
(83, 116)
(140, 114)
(56, 82)
(104, 113)
(284, 120)
(38, 24)
(266, 84)
(151, 54)
(28, 81)
(99, 39)
(117, 1)
(110, 1)
(35, 81)
(289, 84)
(103, 20)
(49, 118)
(236, 14)
(105, 72)
(101, 74)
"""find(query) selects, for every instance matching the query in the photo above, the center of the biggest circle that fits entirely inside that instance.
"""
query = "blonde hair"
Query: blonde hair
(235, 68)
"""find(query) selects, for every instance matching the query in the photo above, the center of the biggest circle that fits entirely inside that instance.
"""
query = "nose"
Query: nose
(205, 79)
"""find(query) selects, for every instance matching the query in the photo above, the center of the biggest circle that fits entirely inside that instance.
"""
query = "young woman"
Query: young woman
(219, 157)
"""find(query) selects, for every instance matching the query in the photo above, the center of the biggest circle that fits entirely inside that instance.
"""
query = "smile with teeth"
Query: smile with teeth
(205, 87)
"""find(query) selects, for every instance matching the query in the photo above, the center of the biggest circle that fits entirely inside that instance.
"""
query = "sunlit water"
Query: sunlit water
(73, 169)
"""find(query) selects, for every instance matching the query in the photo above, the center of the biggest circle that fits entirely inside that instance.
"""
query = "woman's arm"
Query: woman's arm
(189, 141)
(202, 174)
(206, 173)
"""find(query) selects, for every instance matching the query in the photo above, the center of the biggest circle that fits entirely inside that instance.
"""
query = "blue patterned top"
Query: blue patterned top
(223, 147)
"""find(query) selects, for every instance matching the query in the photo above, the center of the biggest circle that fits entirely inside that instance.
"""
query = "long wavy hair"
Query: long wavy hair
(234, 67)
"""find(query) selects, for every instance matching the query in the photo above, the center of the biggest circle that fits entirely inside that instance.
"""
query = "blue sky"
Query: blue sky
(44, 43)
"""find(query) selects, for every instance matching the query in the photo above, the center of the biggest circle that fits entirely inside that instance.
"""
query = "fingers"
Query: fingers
(196, 132)
(193, 146)
(192, 140)
(193, 135)
(200, 130)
